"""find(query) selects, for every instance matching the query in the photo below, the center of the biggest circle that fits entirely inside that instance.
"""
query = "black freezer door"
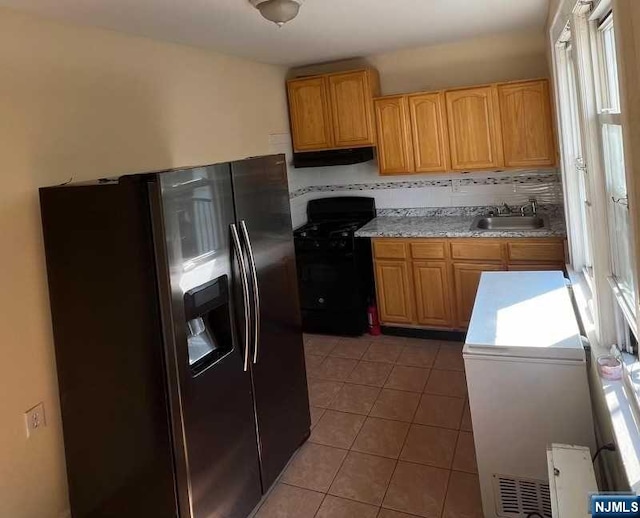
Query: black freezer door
(213, 417)
(109, 349)
(278, 373)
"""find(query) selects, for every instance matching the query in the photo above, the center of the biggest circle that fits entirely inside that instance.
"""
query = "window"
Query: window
(576, 185)
(615, 185)
(579, 164)
(594, 172)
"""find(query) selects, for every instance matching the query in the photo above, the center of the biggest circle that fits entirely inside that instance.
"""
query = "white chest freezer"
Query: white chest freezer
(527, 380)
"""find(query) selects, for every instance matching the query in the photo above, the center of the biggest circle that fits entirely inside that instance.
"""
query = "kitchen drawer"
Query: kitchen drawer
(536, 267)
(428, 249)
(536, 250)
(474, 249)
(389, 249)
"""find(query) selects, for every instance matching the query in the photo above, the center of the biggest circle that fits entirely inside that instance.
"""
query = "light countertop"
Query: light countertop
(450, 226)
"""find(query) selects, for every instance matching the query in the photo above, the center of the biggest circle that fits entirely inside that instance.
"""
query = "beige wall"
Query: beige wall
(503, 57)
(83, 103)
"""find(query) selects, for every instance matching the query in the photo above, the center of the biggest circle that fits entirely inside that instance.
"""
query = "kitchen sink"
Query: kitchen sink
(510, 223)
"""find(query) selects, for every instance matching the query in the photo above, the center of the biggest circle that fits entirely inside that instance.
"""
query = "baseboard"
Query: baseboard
(429, 334)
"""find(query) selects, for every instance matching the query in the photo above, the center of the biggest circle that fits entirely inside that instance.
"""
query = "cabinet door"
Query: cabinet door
(393, 282)
(527, 128)
(429, 130)
(466, 277)
(395, 155)
(309, 113)
(351, 96)
(474, 128)
(433, 299)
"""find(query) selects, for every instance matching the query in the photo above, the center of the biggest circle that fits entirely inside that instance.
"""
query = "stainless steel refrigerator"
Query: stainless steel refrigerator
(177, 337)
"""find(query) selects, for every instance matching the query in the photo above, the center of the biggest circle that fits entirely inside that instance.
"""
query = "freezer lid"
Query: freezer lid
(524, 315)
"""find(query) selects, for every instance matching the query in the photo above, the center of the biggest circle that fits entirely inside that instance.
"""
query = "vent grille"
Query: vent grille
(519, 497)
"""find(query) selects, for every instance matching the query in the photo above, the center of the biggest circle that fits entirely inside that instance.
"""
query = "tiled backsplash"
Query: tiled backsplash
(456, 184)
(416, 191)
(549, 210)
(467, 191)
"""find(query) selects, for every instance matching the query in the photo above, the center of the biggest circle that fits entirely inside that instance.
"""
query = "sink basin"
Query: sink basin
(510, 223)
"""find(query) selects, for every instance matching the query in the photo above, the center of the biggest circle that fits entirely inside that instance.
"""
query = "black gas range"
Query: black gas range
(335, 272)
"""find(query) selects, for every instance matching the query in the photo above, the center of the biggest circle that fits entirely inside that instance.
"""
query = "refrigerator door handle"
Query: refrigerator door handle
(256, 292)
(245, 292)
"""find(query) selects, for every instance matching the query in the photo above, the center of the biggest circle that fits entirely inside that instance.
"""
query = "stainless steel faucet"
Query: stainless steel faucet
(505, 209)
(532, 206)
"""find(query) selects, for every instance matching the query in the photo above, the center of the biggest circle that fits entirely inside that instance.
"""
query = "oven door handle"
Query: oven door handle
(245, 293)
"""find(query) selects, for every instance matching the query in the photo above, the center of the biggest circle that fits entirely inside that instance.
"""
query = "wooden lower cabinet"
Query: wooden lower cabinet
(432, 283)
(466, 277)
(393, 282)
(433, 300)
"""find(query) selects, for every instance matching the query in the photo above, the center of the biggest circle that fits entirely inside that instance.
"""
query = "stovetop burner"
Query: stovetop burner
(328, 229)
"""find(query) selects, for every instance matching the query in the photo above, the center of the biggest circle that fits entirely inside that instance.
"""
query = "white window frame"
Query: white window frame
(608, 325)
(601, 302)
(576, 188)
(609, 112)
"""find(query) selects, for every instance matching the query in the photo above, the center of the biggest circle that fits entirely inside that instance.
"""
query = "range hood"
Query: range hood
(333, 157)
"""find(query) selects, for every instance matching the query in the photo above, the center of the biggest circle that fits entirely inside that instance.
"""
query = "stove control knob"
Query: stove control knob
(321, 300)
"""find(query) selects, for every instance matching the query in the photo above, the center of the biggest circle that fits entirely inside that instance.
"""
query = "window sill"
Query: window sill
(621, 398)
(622, 401)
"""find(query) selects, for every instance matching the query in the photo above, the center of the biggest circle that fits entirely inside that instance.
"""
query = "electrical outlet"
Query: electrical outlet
(35, 419)
(456, 185)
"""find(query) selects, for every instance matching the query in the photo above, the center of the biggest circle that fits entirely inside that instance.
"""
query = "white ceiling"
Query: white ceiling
(324, 30)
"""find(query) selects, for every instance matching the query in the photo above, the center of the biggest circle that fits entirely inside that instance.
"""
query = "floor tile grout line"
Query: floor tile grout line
(348, 499)
(348, 382)
(399, 420)
(404, 443)
(343, 460)
(395, 468)
(446, 494)
(312, 376)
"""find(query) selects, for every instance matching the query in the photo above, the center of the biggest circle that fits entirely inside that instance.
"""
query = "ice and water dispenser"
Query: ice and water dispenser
(209, 324)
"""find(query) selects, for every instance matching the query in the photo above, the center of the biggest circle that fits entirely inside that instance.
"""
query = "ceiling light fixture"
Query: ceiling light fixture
(278, 11)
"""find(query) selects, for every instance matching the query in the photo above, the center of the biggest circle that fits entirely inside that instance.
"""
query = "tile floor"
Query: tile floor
(391, 434)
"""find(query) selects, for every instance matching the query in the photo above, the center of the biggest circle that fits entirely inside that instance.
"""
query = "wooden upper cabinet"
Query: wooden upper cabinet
(351, 99)
(333, 110)
(474, 128)
(527, 127)
(429, 132)
(395, 152)
(309, 112)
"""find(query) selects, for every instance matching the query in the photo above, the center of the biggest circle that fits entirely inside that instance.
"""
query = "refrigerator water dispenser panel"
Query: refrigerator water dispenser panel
(209, 337)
